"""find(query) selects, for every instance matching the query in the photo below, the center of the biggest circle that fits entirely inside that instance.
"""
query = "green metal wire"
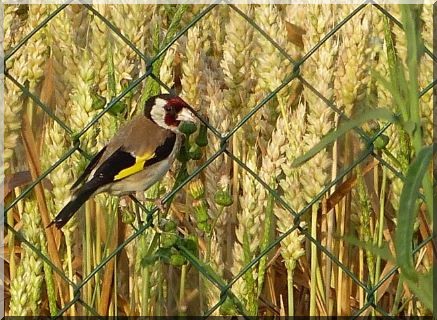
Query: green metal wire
(116, 31)
(21, 237)
(331, 33)
(39, 103)
(263, 33)
(39, 179)
(399, 24)
(296, 65)
(26, 38)
(269, 97)
(197, 114)
(67, 306)
(298, 215)
(147, 225)
(225, 289)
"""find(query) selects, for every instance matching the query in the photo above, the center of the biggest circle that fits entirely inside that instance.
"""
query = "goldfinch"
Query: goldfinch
(138, 156)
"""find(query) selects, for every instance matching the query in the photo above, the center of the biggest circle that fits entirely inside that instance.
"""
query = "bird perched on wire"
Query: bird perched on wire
(138, 156)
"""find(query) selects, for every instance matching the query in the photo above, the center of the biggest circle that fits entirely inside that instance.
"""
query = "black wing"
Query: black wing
(88, 169)
(122, 164)
(112, 166)
(111, 169)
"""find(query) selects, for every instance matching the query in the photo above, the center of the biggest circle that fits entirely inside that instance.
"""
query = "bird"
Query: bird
(136, 157)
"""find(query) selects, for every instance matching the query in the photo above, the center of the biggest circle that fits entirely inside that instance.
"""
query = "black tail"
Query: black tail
(77, 200)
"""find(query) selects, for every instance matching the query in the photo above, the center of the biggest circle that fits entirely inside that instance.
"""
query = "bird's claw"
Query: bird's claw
(159, 204)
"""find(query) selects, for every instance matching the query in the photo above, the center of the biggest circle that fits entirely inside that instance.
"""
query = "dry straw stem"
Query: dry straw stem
(35, 171)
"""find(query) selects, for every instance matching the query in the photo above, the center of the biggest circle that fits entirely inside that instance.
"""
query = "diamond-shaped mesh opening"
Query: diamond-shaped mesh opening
(271, 81)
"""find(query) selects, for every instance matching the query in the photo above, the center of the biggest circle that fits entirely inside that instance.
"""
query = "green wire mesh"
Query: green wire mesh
(225, 288)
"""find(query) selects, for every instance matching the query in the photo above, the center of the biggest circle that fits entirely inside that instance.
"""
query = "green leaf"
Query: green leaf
(187, 127)
(209, 273)
(203, 268)
(163, 254)
(407, 212)
(202, 137)
(118, 108)
(423, 288)
(151, 87)
(381, 142)
(383, 252)
(381, 113)
(409, 127)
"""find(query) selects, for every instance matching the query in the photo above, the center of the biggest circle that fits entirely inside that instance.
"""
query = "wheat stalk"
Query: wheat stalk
(26, 285)
(62, 54)
(351, 75)
(193, 65)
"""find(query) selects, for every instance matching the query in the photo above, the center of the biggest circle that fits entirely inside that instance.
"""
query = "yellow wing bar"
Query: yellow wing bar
(137, 167)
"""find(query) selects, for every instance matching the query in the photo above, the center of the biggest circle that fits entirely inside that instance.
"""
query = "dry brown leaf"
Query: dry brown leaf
(294, 34)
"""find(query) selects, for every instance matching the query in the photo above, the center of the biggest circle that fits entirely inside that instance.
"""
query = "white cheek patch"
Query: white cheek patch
(158, 113)
(160, 103)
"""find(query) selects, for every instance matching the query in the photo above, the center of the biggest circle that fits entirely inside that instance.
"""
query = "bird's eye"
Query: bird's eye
(168, 108)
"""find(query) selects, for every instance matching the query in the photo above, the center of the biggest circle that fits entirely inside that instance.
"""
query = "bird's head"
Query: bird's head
(168, 111)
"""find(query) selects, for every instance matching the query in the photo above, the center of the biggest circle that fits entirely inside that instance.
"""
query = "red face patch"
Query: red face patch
(172, 109)
(177, 103)
(170, 120)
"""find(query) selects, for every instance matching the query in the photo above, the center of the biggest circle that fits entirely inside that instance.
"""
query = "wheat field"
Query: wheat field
(348, 198)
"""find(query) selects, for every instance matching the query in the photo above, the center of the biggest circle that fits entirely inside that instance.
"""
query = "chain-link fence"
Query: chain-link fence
(225, 289)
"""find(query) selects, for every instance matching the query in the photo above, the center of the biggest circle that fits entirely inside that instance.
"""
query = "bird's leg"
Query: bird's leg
(157, 201)
(124, 201)
(140, 196)
(159, 204)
